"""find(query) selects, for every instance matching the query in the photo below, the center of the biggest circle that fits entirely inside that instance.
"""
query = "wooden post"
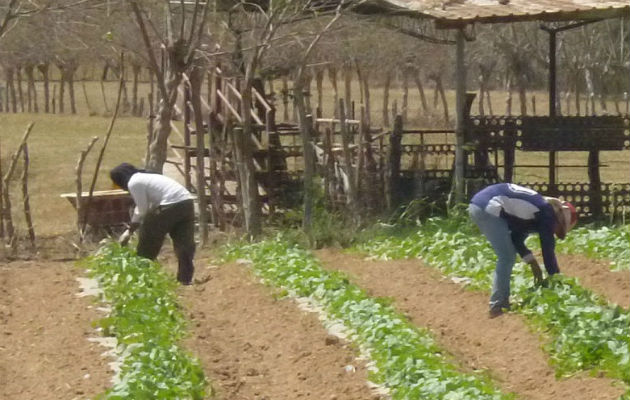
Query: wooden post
(196, 80)
(405, 99)
(329, 172)
(79, 184)
(386, 86)
(595, 182)
(101, 154)
(2, 210)
(7, 199)
(392, 180)
(187, 147)
(347, 154)
(460, 120)
(26, 199)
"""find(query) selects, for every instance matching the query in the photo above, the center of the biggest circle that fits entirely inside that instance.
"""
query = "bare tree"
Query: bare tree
(178, 45)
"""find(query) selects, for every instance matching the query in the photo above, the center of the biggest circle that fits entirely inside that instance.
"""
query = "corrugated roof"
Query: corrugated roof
(459, 12)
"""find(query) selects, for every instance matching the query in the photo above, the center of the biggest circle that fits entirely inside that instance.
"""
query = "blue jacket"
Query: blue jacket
(525, 211)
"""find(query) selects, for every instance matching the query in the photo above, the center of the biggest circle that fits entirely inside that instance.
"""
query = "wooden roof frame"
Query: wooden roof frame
(457, 14)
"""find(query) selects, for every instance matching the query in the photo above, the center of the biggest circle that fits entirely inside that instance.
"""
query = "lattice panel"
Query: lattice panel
(550, 134)
(428, 148)
(581, 195)
(492, 132)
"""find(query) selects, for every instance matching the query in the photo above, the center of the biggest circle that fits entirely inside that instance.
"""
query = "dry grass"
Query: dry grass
(54, 147)
(57, 140)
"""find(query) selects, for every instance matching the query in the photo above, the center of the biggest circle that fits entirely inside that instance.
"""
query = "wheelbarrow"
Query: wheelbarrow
(108, 209)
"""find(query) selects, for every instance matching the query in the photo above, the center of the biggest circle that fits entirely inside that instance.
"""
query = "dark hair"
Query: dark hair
(121, 174)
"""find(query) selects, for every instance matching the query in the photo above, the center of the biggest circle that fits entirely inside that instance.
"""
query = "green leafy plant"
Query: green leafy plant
(612, 243)
(585, 331)
(148, 324)
(407, 359)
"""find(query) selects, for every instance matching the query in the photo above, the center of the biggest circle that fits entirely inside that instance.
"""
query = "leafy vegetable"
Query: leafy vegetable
(585, 331)
(147, 324)
(611, 243)
(407, 359)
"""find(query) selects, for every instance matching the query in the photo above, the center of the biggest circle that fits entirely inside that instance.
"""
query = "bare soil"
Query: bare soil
(44, 327)
(256, 345)
(458, 318)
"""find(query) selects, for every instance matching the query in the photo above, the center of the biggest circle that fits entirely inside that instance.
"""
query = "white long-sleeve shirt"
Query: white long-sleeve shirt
(152, 190)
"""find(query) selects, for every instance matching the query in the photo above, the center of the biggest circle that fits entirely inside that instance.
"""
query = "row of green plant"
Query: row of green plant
(585, 331)
(611, 243)
(147, 323)
(407, 360)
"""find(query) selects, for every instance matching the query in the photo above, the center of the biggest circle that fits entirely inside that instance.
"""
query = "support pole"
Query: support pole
(460, 117)
(552, 103)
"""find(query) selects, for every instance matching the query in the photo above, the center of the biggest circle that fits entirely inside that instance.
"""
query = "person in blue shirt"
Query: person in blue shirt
(506, 214)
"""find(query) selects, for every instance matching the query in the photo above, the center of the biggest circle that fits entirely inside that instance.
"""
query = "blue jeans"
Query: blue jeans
(496, 230)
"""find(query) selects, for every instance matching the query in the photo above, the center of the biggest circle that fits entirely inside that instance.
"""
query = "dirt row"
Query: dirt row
(44, 331)
(458, 319)
(256, 345)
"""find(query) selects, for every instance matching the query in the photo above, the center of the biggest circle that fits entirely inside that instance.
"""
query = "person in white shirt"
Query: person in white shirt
(162, 206)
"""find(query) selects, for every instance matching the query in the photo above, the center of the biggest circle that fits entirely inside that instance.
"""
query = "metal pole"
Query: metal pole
(459, 122)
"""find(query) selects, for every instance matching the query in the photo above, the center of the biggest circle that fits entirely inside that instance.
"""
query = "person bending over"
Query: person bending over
(506, 214)
(162, 206)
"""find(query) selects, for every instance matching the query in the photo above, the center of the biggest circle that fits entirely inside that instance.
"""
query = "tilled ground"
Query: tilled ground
(256, 346)
(504, 346)
(44, 331)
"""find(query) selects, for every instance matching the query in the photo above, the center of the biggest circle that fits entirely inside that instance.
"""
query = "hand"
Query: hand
(536, 271)
(124, 238)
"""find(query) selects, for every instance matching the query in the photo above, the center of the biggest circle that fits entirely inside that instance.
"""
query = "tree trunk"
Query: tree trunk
(366, 95)
(18, 74)
(134, 93)
(285, 97)
(332, 76)
(386, 86)
(70, 79)
(440, 90)
(482, 89)
(245, 161)
(62, 90)
(347, 76)
(87, 99)
(32, 90)
(405, 99)
(522, 96)
(10, 97)
(508, 100)
(319, 80)
(44, 69)
(423, 99)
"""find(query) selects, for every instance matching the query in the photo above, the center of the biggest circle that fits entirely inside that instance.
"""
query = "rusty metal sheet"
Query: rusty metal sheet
(453, 13)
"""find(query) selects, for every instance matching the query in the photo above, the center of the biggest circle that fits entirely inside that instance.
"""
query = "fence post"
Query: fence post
(392, 180)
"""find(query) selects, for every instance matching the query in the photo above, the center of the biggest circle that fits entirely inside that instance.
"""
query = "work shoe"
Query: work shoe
(498, 310)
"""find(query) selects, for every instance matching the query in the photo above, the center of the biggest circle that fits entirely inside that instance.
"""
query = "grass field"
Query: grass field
(54, 147)
(57, 140)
